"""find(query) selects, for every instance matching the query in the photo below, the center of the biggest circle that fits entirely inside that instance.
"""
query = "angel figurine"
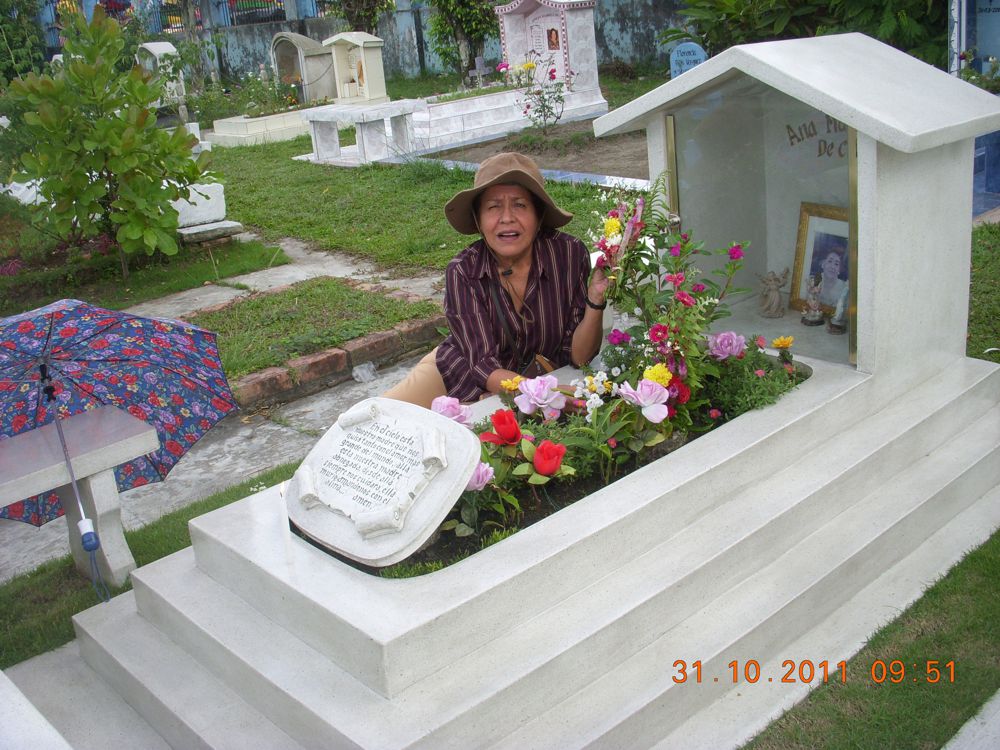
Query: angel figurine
(813, 314)
(770, 294)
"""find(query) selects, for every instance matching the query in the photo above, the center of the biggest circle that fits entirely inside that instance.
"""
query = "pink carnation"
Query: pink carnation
(696, 288)
(736, 252)
(675, 250)
(616, 337)
(684, 298)
(658, 332)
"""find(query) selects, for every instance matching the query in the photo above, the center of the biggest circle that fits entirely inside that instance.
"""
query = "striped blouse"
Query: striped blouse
(554, 301)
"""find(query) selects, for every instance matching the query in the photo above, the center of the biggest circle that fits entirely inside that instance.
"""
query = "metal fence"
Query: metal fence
(256, 11)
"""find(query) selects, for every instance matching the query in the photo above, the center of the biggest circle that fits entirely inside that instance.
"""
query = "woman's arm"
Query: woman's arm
(590, 331)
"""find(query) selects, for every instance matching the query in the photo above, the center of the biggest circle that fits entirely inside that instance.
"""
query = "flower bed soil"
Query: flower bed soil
(447, 548)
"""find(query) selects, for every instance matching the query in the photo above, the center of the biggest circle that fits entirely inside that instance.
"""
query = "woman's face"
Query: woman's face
(508, 220)
(831, 266)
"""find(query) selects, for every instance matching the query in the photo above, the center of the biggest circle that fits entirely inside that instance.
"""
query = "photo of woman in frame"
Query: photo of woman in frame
(821, 256)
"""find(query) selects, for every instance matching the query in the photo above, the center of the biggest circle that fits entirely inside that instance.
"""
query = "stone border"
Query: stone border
(312, 373)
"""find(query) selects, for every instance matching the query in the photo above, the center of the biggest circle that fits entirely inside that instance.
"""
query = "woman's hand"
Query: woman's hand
(598, 286)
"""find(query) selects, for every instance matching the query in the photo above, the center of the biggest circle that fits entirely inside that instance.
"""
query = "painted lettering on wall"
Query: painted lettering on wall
(826, 136)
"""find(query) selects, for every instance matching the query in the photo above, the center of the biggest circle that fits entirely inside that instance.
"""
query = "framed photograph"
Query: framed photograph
(821, 256)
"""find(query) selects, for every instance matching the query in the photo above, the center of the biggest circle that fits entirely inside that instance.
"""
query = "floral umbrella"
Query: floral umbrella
(164, 372)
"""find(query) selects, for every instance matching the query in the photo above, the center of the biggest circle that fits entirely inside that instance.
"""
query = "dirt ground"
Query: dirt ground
(568, 147)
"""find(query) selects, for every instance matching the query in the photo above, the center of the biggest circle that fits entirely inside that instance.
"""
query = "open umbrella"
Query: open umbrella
(70, 356)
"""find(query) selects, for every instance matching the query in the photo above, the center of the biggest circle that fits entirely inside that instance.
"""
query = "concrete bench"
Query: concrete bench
(97, 441)
(374, 140)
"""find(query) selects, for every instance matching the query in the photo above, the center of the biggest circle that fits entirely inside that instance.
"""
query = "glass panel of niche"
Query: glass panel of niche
(752, 166)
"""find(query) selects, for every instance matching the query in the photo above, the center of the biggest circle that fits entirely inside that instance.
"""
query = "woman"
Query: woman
(521, 289)
(832, 285)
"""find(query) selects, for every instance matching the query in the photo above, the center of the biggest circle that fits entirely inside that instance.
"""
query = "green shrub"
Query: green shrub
(918, 27)
(104, 167)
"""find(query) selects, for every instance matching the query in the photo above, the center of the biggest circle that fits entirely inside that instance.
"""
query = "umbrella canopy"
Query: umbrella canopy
(164, 372)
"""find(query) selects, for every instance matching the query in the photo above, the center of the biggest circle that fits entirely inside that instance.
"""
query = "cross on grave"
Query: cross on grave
(479, 71)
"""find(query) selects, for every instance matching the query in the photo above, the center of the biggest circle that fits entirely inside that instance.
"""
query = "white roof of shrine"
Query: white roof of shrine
(518, 7)
(357, 38)
(870, 86)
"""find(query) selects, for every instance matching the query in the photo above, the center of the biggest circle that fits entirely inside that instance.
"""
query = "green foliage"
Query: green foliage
(458, 29)
(544, 99)
(21, 44)
(16, 138)
(103, 165)
(361, 15)
(918, 27)
(739, 387)
(984, 294)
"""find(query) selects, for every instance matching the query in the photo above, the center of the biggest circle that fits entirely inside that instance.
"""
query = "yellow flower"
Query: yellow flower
(510, 385)
(612, 226)
(783, 342)
(528, 66)
(658, 373)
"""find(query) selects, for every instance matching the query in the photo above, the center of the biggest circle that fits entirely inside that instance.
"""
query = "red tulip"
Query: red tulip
(508, 431)
(548, 457)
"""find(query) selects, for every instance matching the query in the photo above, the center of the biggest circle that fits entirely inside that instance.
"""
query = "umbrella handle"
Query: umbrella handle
(88, 537)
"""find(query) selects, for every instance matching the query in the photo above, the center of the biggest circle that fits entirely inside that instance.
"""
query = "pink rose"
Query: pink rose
(727, 344)
(540, 393)
(453, 409)
(650, 397)
(481, 476)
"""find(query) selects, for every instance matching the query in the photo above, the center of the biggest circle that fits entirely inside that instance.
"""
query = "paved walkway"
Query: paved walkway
(243, 444)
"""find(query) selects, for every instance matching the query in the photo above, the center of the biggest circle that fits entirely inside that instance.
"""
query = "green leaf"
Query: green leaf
(463, 530)
(528, 449)
(449, 525)
(470, 515)
(523, 470)
(538, 479)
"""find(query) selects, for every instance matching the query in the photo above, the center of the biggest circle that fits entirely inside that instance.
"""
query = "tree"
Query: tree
(103, 166)
(21, 45)
(363, 15)
(459, 29)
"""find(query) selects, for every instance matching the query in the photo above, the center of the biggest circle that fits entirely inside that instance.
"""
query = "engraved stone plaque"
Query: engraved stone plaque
(381, 480)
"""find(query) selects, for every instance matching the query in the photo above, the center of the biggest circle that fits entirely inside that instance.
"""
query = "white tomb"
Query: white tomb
(152, 56)
(561, 31)
(791, 532)
(357, 67)
(304, 63)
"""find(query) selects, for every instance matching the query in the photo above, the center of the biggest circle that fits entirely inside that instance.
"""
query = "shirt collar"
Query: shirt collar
(541, 253)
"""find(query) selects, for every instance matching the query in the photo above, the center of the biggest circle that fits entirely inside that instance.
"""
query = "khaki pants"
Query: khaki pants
(422, 385)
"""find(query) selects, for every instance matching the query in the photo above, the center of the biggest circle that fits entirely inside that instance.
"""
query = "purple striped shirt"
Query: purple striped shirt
(554, 300)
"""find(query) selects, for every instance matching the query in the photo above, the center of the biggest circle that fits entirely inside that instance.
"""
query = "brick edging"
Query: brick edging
(311, 373)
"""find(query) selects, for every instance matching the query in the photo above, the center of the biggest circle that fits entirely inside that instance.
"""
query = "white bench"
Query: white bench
(374, 140)
(97, 442)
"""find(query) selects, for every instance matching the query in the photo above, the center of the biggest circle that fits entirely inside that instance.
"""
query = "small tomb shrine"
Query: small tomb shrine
(151, 56)
(305, 64)
(560, 34)
(357, 68)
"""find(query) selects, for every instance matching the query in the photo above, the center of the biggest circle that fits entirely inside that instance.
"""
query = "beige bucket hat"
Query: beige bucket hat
(507, 168)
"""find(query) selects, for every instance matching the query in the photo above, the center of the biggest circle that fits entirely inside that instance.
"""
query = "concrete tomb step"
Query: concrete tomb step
(742, 545)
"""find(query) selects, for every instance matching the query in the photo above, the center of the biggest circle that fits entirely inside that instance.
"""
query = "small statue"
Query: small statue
(770, 294)
(837, 324)
(813, 314)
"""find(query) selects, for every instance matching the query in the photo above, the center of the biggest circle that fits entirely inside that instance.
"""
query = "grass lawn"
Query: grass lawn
(390, 214)
(265, 330)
